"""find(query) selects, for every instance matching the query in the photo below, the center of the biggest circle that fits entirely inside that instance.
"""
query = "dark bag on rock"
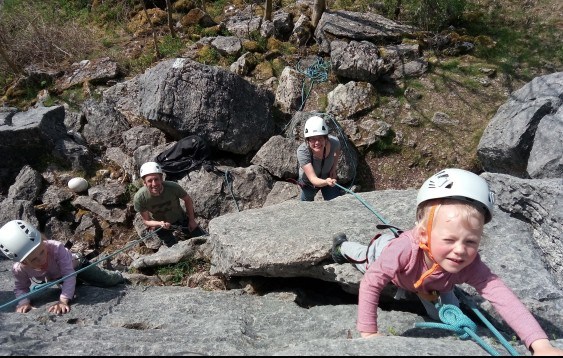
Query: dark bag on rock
(187, 154)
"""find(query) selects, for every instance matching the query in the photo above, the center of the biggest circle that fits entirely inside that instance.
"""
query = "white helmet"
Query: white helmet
(18, 239)
(150, 168)
(458, 184)
(315, 126)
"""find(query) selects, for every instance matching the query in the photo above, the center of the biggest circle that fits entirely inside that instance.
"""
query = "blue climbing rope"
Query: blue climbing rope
(393, 230)
(41, 287)
(316, 73)
(463, 296)
(454, 320)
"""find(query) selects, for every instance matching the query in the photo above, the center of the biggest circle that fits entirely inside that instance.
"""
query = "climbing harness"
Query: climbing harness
(316, 73)
(41, 287)
(454, 320)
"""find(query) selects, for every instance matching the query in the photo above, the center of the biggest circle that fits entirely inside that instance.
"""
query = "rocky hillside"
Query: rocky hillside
(463, 81)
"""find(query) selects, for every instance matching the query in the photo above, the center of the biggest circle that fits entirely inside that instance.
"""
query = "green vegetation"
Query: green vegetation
(171, 46)
(181, 269)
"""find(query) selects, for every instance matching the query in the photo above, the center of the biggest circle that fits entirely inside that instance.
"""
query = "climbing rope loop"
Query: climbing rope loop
(316, 73)
(452, 315)
(454, 320)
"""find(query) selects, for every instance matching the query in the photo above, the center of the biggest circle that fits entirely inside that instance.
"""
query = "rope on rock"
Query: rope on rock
(393, 230)
(316, 73)
(454, 320)
(229, 182)
(465, 298)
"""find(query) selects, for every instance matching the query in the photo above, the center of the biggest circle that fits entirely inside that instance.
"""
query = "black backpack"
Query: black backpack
(187, 154)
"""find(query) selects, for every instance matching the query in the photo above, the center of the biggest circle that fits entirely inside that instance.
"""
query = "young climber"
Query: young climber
(158, 202)
(318, 161)
(441, 251)
(38, 259)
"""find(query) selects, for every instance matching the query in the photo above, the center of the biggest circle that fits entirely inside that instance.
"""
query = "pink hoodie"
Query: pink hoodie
(402, 263)
(60, 264)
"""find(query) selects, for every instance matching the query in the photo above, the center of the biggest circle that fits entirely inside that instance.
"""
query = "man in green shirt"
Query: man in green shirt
(158, 202)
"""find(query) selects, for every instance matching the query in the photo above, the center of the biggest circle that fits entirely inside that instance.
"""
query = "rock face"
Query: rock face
(258, 230)
(524, 137)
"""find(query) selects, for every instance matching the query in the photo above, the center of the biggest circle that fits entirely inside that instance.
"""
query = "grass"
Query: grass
(177, 272)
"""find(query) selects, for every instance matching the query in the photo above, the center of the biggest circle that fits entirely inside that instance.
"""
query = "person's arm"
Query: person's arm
(507, 304)
(21, 287)
(314, 179)
(149, 222)
(63, 259)
(190, 212)
(543, 347)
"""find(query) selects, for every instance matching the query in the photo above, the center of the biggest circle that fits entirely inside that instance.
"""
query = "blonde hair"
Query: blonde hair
(467, 210)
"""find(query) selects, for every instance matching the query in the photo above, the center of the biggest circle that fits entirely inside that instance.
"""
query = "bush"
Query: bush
(41, 33)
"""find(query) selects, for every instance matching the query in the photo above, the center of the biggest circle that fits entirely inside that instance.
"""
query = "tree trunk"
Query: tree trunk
(397, 10)
(268, 11)
(156, 52)
(170, 24)
(318, 9)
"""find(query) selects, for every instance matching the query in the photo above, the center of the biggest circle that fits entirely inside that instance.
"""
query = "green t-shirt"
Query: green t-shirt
(166, 206)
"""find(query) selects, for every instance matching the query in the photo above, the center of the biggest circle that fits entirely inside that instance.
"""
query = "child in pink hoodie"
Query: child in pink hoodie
(441, 251)
(40, 260)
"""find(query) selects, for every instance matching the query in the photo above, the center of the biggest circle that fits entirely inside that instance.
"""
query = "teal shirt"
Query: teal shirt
(166, 206)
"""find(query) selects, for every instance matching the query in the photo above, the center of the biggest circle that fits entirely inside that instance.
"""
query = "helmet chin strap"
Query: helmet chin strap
(426, 247)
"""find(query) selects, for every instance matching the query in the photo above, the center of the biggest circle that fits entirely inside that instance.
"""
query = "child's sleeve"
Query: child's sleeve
(378, 275)
(508, 305)
(66, 267)
(21, 284)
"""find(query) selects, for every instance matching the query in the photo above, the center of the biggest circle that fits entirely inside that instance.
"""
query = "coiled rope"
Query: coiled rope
(316, 73)
(41, 287)
(454, 320)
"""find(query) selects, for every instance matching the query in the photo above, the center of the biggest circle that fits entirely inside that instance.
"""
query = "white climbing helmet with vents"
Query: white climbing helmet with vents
(315, 126)
(18, 239)
(461, 185)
